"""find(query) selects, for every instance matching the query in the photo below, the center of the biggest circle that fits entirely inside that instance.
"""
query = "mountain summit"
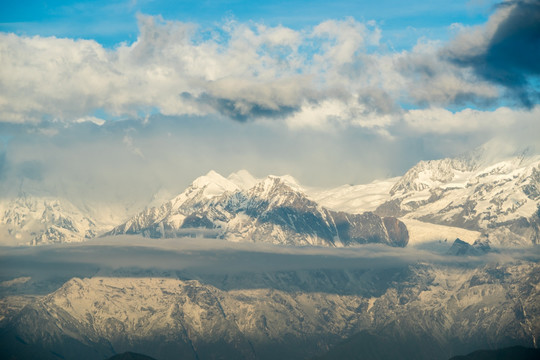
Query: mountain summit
(501, 200)
(497, 200)
(274, 209)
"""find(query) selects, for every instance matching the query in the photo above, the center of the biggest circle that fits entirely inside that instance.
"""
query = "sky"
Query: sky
(118, 100)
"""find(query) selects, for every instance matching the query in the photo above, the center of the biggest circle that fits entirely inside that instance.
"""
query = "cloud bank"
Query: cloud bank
(338, 73)
(227, 265)
(329, 104)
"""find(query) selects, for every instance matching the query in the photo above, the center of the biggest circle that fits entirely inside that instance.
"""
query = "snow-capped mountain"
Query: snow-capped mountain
(354, 199)
(501, 199)
(274, 209)
(472, 196)
(421, 312)
(44, 220)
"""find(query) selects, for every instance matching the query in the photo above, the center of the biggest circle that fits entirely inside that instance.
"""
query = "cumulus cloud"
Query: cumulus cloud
(345, 39)
(337, 73)
(238, 70)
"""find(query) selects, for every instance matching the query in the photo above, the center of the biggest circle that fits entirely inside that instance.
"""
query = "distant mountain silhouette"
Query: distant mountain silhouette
(510, 353)
(130, 356)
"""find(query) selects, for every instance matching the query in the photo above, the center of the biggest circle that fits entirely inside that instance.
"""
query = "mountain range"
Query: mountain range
(274, 209)
(501, 199)
(438, 262)
(497, 200)
(421, 311)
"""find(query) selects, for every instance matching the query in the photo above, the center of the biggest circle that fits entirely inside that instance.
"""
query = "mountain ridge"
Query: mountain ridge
(167, 317)
(499, 199)
(275, 209)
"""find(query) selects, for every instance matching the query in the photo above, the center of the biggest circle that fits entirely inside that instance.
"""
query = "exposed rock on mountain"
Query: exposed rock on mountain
(500, 200)
(274, 210)
(461, 248)
(427, 312)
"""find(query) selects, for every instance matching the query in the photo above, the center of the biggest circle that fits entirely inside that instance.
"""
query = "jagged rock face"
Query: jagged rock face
(500, 200)
(426, 174)
(198, 321)
(451, 309)
(461, 248)
(397, 231)
(274, 210)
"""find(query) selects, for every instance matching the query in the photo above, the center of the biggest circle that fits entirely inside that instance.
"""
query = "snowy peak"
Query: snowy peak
(429, 174)
(40, 220)
(201, 190)
(273, 187)
(500, 199)
(275, 209)
(487, 159)
(354, 199)
(287, 180)
(243, 179)
(213, 184)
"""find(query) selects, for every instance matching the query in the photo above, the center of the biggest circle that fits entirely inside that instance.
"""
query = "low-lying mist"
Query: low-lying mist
(221, 263)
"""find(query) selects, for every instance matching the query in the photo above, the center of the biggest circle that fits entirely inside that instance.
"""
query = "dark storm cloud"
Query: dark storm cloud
(511, 56)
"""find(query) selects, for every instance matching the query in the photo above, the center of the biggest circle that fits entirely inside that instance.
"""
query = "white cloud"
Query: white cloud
(92, 119)
(335, 113)
(332, 74)
(343, 40)
(68, 79)
(442, 121)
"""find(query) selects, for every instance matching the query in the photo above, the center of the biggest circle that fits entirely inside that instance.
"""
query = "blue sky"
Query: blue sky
(113, 22)
(155, 93)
